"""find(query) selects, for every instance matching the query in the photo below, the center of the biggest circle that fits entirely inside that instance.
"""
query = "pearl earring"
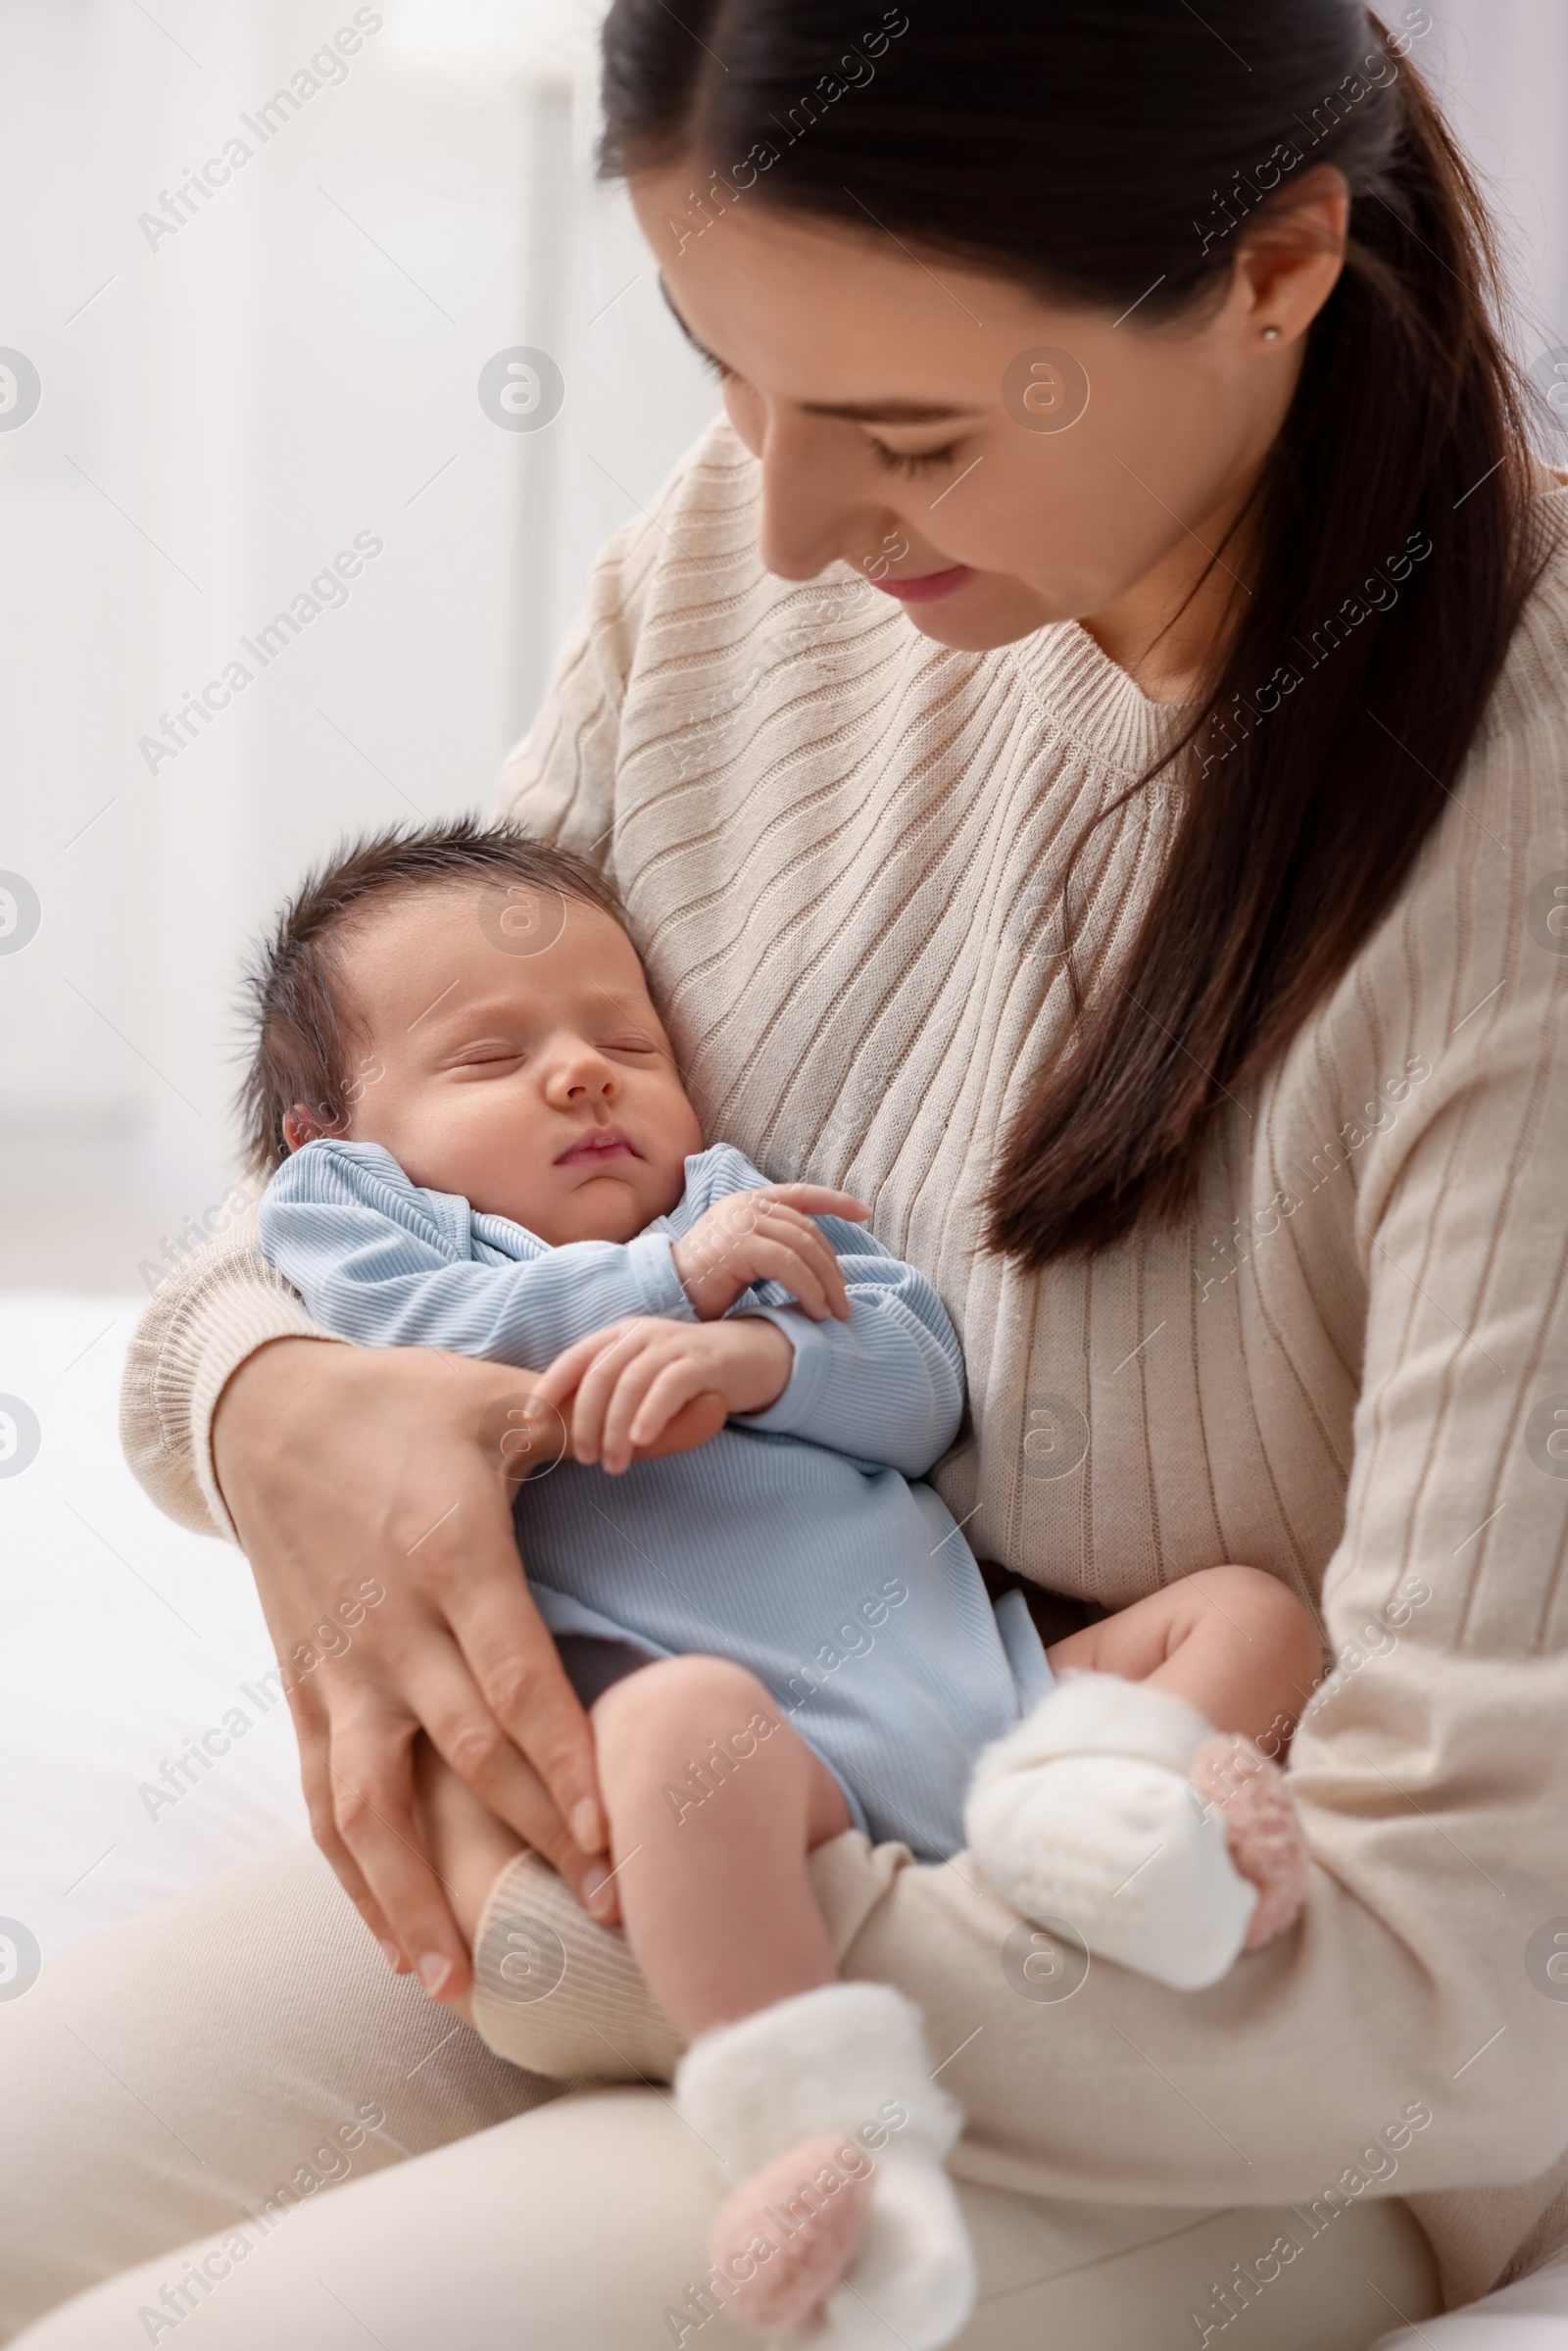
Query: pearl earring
(1271, 334)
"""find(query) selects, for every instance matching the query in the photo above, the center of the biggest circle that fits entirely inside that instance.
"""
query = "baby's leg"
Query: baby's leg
(1231, 1641)
(792, 2078)
(1134, 1803)
(714, 1804)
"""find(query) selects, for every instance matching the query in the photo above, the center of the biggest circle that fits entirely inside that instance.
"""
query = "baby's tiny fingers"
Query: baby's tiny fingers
(675, 1385)
(779, 1261)
(812, 1245)
(558, 1380)
(549, 1392)
(631, 1374)
(820, 1199)
(592, 1402)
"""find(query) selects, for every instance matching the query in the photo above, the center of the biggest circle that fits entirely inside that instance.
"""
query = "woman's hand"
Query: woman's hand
(766, 1236)
(348, 1470)
(626, 1383)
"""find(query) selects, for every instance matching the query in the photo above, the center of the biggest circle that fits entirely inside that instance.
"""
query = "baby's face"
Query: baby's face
(524, 1065)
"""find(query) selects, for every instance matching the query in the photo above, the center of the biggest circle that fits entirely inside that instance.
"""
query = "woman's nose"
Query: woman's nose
(814, 508)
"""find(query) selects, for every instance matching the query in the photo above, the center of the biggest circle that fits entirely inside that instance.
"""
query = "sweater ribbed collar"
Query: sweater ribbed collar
(1093, 700)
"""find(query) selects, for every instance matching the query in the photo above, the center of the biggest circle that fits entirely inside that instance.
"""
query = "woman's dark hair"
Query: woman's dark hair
(302, 1027)
(1113, 152)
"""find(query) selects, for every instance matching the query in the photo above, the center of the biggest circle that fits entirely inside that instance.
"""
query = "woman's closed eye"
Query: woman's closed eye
(904, 460)
(892, 461)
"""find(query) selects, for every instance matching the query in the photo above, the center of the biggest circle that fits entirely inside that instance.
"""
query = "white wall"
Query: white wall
(224, 407)
(297, 365)
(1501, 66)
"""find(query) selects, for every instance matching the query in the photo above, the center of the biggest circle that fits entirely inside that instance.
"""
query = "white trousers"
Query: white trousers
(230, 2128)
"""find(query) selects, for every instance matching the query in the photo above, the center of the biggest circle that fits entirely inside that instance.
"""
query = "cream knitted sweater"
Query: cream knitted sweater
(837, 843)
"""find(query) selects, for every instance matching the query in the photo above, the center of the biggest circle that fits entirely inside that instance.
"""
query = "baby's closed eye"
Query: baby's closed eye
(484, 1057)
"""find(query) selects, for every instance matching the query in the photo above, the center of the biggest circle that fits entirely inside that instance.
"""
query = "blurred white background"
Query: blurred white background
(225, 405)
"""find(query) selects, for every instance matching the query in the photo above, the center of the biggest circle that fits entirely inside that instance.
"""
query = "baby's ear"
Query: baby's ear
(300, 1127)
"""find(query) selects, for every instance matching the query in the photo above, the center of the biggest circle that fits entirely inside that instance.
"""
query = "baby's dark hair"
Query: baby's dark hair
(293, 987)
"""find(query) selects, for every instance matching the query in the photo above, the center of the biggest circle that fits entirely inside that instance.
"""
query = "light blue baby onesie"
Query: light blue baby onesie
(793, 1542)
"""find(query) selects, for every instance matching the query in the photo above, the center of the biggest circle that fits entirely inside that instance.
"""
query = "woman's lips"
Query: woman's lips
(922, 588)
(600, 1144)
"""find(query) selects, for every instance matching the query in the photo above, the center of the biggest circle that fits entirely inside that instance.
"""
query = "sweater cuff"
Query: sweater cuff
(651, 1262)
(245, 1324)
(223, 1305)
(790, 1414)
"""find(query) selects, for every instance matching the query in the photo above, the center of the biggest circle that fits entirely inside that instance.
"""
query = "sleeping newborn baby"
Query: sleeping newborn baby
(481, 1142)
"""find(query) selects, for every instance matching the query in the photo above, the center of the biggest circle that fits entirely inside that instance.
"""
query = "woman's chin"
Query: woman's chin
(988, 611)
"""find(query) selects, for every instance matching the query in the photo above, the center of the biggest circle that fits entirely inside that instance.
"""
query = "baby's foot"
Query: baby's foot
(1262, 1828)
(844, 2232)
(1087, 1814)
(811, 2208)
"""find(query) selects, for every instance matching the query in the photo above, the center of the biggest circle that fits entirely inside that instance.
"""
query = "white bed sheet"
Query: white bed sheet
(123, 1641)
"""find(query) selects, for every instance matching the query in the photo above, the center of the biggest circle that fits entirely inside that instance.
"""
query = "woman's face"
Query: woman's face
(997, 460)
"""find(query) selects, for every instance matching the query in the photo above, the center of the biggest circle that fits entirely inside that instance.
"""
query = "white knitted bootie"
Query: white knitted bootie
(1085, 1813)
(843, 2232)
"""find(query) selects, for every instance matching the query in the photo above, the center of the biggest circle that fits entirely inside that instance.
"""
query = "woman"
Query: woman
(1155, 921)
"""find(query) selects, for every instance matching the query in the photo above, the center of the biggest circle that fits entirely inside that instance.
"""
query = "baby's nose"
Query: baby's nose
(584, 1076)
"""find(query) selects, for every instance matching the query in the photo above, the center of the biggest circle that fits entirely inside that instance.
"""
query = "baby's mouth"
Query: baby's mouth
(599, 1144)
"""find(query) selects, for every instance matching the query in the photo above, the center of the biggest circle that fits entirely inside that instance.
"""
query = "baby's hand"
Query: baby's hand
(766, 1236)
(627, 1383)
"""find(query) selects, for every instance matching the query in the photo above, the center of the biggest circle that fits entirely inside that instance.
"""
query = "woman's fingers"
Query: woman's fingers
(364, 1485)
(372, 1786)
(312, 1732)
(347, 1870)
(486, 1760)
(471, 1577)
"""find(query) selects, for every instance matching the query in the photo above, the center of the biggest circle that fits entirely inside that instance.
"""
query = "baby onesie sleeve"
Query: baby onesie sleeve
(887, 1386)
(381, 1261)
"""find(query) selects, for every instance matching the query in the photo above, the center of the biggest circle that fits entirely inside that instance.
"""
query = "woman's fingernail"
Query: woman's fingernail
(599, 1893)
(433, 1970)
(393, 1954)
(587, 1826)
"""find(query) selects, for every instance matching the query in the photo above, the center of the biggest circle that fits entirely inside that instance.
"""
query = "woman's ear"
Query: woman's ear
(1291, 254)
